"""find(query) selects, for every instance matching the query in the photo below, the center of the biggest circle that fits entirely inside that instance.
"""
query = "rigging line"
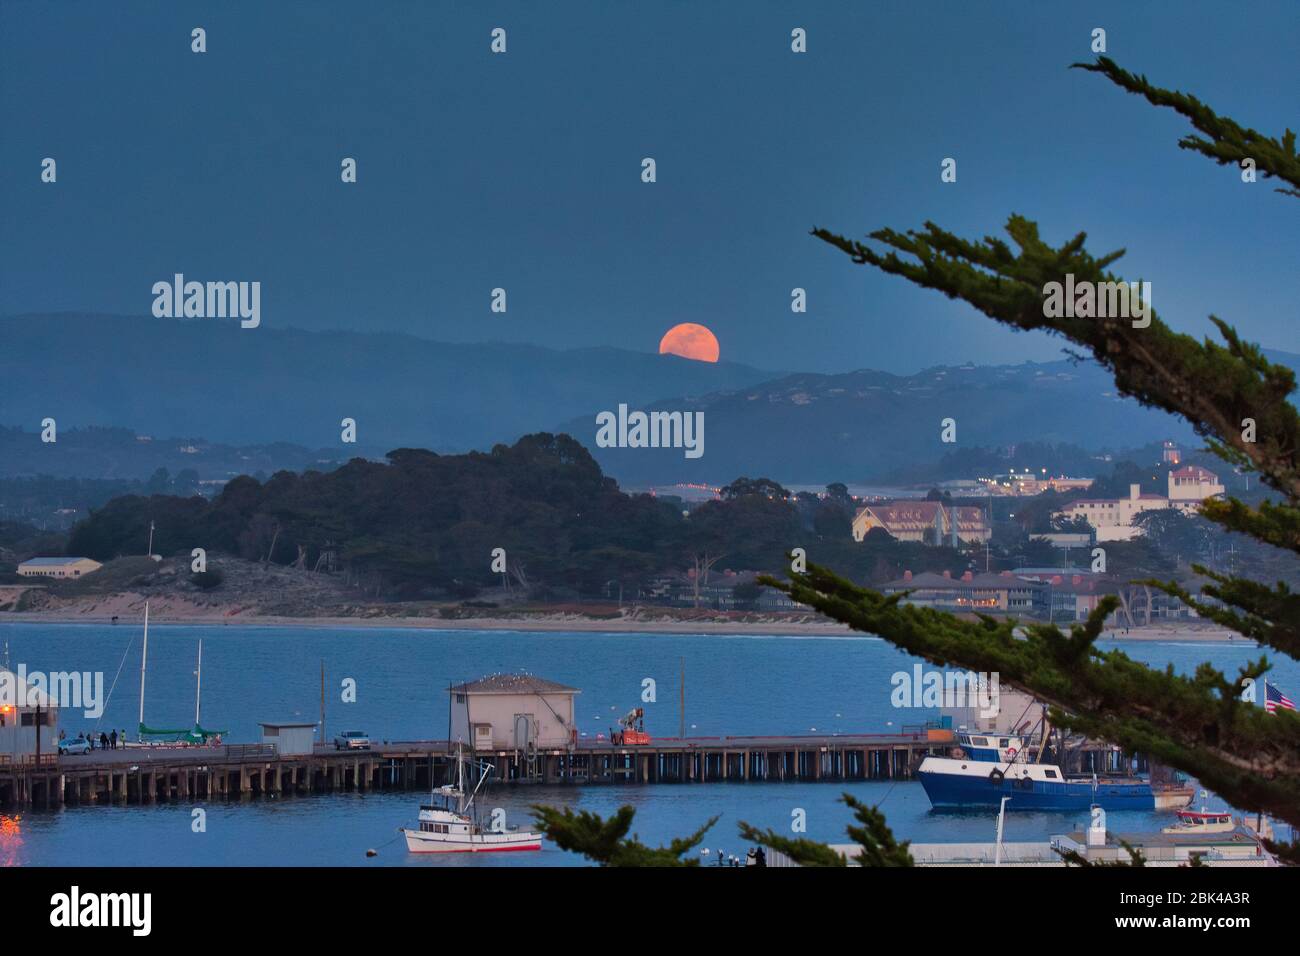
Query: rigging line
(120, 664)
(551, 709)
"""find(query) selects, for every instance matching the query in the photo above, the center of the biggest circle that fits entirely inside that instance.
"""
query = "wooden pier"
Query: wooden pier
(234, 771)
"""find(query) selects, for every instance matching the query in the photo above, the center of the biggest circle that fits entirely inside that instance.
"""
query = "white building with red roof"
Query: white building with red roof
(1192, 484)
(928, 522)
(1113, 519)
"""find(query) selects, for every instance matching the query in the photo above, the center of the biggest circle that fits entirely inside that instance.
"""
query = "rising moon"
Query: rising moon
(690, 341)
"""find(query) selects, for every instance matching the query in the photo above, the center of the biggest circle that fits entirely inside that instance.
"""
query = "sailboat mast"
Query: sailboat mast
(144, 658)
(198, 685)
(460, 779)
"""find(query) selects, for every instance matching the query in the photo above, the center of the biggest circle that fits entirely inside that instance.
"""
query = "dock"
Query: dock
(149, 774)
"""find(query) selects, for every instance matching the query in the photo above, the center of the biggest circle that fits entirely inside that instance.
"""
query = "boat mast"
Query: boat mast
(198, 685)
(460, 779)
(144, 657)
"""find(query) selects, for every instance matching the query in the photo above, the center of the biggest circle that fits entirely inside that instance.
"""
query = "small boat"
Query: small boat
(450, 825)
(1202, 821)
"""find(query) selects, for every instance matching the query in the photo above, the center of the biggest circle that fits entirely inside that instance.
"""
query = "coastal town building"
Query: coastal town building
(57, 567)
(1065, 540)
(1192, 484)
(926, 522)
(1016, 713)
(983, 593)
(1113, 519)
(25, 713)
(1072, 597)
(513, 712)
(1029, 484)
(720, 591)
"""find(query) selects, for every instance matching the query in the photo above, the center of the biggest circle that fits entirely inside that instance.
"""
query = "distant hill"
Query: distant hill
(236, 386)
(867, 425)
(119, 453)
(289, 389)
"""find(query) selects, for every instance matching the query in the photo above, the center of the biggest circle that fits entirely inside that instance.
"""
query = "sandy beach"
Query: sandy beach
(128, 609)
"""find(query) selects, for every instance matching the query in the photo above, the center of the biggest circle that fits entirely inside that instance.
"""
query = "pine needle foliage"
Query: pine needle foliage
(1231, 394)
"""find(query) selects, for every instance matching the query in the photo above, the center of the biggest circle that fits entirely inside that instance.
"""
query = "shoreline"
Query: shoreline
(561, 622)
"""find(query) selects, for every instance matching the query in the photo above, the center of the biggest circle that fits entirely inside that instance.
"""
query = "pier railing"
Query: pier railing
(246, 751)
(28, 760)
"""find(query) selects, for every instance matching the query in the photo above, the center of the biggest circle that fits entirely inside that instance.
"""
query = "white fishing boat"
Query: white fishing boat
(1202, 821)
(449, 823)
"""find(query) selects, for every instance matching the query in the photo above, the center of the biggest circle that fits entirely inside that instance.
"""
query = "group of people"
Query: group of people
(756, 856)
(107, 741)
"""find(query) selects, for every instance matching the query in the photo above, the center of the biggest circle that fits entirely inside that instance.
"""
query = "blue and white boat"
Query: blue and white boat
(965, 783)
(996, 748)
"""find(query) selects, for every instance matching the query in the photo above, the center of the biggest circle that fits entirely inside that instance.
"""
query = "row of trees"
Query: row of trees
(426, 524)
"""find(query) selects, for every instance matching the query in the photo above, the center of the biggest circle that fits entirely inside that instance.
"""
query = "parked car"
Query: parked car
(74, 745)
(352, 740)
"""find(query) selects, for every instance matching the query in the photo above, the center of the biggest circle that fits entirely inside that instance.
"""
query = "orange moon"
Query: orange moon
(690, 341)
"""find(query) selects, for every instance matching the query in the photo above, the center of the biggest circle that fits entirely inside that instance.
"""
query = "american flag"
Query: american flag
(1274, 699)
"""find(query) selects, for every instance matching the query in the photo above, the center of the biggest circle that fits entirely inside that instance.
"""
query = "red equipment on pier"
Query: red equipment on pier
(633, 731)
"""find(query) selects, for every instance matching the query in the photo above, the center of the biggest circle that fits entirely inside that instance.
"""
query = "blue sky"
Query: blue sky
(523, 170)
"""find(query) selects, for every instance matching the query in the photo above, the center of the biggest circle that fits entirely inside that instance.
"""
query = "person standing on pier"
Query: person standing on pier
(112, 740)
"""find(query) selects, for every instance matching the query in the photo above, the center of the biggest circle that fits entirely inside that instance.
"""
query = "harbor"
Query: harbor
(750, 751)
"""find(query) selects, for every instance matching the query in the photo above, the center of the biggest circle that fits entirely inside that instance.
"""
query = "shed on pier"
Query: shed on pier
(513, 712)
(289, 737)
(26, 710)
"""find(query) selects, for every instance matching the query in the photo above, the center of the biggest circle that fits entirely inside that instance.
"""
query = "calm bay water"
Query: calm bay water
(734, 684)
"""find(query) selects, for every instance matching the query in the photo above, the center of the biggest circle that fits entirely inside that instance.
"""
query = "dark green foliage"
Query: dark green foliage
(1224, 141)
(606, 841)
(23, 540)
(1135, 858)
(879, 848)
(1197, 723)
(801, 850)
(420, 521)
(207, 580)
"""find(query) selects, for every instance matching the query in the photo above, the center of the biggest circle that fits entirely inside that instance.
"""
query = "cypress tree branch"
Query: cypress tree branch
(879, 848)
(1271, 614)
(1227, 142)
(606, 841)
(1215, 387)
(1197, 724)
(803, 851)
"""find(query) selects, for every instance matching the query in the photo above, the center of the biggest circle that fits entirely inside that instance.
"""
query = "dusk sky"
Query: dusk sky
(523, 170)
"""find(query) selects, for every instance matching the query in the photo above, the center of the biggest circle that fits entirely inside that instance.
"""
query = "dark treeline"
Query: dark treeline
(424, 524)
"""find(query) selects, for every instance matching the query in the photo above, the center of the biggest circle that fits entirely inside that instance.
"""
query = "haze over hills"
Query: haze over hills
(214, 380)
(226, 385)
(867, 425)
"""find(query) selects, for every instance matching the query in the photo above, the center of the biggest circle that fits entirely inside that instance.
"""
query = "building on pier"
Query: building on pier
(513, 712)
(290, 738)
(26, 711)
